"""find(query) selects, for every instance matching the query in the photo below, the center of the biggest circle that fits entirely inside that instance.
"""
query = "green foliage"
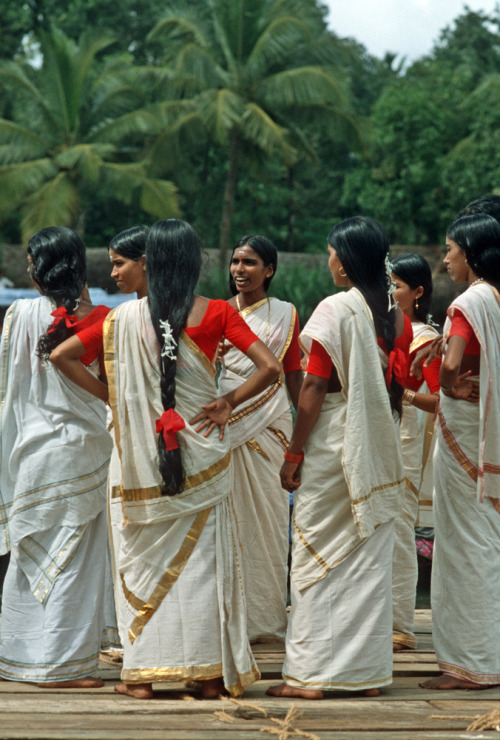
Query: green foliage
(254, 72)
(76, 132)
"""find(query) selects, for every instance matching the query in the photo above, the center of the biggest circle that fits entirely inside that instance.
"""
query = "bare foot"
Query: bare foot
(136, 690)
(291, 691)
(447, 682)
(213, 688)
(77, 683)
(370, 692)
(397, 647)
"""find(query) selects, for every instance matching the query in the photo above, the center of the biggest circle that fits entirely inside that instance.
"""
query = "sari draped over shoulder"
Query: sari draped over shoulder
(352, 484)
(163, 537)
(343, 324)
(466, 558)
(259, 432)
(55, 450)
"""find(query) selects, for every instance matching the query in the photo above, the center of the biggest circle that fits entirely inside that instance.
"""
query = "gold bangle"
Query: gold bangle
(408, 397)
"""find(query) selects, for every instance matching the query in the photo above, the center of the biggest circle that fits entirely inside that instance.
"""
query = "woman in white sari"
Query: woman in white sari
(465, 596)
(54, 461)
(345, 461)
(259, 434)
(413, 282)
(179, 559)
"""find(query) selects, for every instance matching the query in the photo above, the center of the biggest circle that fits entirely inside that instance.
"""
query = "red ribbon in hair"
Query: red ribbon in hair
(397, 363)
(169, 423)
(61, 314)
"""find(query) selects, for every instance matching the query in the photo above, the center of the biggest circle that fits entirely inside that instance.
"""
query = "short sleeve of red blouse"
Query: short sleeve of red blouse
(89, 332)
(320, 362)
(291, 360)
(460, 327)
(221, 319)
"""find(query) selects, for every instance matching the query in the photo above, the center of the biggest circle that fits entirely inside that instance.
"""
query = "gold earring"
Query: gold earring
(416, 303)
(342, 272)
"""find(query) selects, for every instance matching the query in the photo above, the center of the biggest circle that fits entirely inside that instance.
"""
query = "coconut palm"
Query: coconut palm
(76, 132)
(251, 73)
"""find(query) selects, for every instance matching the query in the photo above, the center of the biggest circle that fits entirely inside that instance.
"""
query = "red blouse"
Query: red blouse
(460, 327)
(221, 320)
(320, 363)
(430, 374)
(89, 332)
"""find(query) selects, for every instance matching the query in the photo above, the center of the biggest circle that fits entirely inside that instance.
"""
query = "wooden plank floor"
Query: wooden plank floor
(402, 712)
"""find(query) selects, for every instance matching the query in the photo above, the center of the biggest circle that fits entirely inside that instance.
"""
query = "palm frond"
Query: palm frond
(139, 122)
(19, 143)
(17, 181)
(303, 86)
(56, 202)
(258, 127)
(277, 43)
(220, 110)
(160, 199)
(85, 159)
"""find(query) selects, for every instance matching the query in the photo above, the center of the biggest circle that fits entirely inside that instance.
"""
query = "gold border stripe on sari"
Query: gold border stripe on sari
(454, 448)
(148, 609)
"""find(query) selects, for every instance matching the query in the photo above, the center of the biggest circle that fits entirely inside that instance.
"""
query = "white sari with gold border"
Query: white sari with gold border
(179, 559)
(417, 444)
(54, 459)
(465, 593)
(351, 490)
(259, 433)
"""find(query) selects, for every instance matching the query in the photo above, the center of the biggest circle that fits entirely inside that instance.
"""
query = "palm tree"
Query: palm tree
(250, 73)
(77, 132)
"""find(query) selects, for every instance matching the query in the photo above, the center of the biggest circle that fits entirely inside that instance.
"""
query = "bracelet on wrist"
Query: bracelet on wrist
(408, 397)
(291, 458)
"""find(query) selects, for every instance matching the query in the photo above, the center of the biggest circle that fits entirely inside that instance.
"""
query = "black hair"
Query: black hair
(130, 243)
(485, 204)
(362, 246)
(479, 237)
(414, 270)
(266, 251)
(173, 263)
(59, 269)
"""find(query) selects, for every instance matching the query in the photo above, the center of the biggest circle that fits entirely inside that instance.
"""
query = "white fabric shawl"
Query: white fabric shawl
(159, 533)
(343, 325)
(273, 321)
(480, 304)
(54, 445)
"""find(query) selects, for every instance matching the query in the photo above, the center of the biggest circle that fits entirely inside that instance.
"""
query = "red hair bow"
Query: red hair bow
(61, 314)
(169, 423)
(397, 363)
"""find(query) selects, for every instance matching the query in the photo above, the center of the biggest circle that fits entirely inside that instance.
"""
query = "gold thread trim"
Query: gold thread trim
(147, 610)
(280, 436)
(421, 341)
(455, 450)
(255, 405)
(480, 678)
(190, 482)
(338, 684)
(400, 638)
(193, 347)
(250, 309)
(254, 445)
(290, 334)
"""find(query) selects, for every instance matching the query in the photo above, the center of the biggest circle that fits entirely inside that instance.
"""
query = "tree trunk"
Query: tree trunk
(228, 203)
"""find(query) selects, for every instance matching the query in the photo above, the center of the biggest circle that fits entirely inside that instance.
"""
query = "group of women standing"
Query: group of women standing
(197, 502)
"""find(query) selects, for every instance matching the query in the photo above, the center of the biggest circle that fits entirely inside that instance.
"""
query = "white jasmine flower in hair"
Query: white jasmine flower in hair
(169, 343)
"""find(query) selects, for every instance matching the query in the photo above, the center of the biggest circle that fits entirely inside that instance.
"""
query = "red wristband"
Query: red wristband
(291, 458)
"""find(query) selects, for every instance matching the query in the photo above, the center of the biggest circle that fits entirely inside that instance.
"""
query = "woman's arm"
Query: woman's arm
(294, 380)
(452, 361)
(218, 412)
(66, 357)
(312, 395)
